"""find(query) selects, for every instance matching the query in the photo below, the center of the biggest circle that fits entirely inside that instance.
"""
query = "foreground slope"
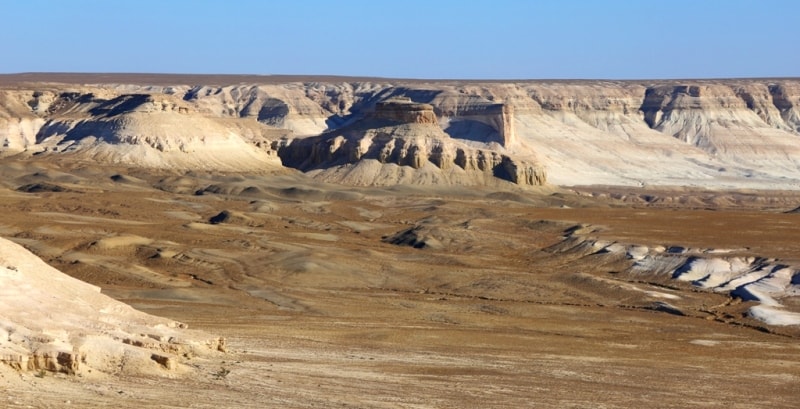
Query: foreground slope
(52, 322)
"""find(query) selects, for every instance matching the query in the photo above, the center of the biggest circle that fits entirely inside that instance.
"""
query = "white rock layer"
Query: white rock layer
(50, 321)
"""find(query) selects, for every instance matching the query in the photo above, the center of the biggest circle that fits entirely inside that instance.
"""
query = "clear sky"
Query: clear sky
(472, 39)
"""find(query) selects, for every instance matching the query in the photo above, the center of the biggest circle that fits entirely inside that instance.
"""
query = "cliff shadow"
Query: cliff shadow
(472, 130)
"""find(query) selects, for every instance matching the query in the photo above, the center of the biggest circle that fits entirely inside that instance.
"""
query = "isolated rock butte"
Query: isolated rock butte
(53, 322)
(707, 133)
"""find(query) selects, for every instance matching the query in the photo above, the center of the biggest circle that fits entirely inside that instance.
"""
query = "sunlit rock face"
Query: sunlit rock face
(404, 111)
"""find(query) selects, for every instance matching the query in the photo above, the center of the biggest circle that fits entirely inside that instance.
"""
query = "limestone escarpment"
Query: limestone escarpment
(303, 109)
(786, 98)
(753, 123)
(715, 133)
(690, 112)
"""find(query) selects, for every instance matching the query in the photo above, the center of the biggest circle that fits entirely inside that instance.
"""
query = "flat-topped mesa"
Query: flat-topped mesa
(405, 111)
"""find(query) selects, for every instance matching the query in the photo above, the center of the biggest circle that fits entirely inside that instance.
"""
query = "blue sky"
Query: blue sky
(498, 39)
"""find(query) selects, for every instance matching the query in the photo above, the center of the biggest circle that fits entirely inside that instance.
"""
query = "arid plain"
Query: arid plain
(429, 290)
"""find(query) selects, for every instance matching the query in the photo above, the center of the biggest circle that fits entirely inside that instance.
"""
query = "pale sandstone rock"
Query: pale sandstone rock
(53, 322)
(403, 110)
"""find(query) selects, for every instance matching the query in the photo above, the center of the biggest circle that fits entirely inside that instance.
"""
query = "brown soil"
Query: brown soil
(320, 311)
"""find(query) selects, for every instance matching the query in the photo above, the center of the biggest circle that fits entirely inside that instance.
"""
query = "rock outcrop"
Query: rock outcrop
(405, 111)
(766, 281)
(401, 133)
(53, 322)
(18, 125)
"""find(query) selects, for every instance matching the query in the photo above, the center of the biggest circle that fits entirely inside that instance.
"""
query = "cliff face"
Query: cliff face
(716, 133)
(400, 133)
(691, 112)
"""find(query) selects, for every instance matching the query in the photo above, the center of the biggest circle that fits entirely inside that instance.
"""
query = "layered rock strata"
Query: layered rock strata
(403, 110)
(706, 133)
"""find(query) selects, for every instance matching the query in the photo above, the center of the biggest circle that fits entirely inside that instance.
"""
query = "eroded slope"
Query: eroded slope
(53, 322)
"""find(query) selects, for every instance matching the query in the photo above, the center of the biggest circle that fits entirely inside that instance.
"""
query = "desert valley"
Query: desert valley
(318, 242)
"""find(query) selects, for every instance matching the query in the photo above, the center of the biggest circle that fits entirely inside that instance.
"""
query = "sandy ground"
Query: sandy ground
(404, 297)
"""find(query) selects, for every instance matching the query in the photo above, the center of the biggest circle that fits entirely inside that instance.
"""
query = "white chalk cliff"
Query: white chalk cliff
(706, 133)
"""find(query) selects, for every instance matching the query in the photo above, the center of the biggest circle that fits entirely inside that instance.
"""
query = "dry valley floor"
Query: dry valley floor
(339, 297)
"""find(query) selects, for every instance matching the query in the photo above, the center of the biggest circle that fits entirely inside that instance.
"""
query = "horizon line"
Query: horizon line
(69, 77)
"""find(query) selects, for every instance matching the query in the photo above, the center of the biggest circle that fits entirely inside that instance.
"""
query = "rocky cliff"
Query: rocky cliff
(400, 133)
(710, 133)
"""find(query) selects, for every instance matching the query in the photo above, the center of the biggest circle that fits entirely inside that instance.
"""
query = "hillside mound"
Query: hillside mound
(155, 131)
(53, 322)
(435, 233)
(230, 217)
(42, 187)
